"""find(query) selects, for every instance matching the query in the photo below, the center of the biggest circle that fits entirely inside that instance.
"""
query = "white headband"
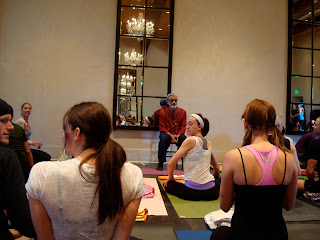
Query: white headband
(200, 120)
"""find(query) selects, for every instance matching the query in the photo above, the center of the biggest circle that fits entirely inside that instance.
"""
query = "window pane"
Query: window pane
(155, 82)
(316, 91)
(302, 10)
(161, 21)
(300, 89)
(131, 51)
(315, 112)
(140, 3)
(127, 82)
(316, 37)
(132, 21)
(123, 110)
(301, 62)
(301, 35)
(159, 4)
(298, 115)
(150, 105)
(316, 63)
(157, 52)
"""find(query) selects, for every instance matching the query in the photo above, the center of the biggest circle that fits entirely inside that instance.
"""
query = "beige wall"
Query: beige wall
(57, 53)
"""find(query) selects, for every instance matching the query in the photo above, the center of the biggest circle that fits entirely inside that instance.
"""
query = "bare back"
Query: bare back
(253, 170)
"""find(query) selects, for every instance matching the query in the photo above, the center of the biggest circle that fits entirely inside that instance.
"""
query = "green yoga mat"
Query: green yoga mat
(192, 209)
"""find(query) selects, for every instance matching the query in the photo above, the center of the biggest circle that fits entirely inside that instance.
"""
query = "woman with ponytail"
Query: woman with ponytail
(96, 194)
(260, 178)
(196, 150)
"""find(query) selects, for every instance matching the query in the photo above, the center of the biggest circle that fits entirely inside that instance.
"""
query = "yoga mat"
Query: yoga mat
(192, 209)
(152, 231)
(193, 234)
(302, 211)
(151, 171)
(303, 231)
(154, 205)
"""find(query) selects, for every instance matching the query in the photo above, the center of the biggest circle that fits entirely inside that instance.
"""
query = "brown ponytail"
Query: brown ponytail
(261, 115)
(94, 121)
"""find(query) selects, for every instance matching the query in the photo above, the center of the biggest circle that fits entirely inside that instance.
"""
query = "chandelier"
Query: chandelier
(134, 58)
(136, 27)
(127, 82)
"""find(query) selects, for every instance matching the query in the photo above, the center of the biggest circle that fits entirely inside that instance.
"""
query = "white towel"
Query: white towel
(219, 218)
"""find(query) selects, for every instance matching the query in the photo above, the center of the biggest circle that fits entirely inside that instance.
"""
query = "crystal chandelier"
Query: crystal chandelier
(134, 58)
(136, 27)
(127, 79)
(127, 82)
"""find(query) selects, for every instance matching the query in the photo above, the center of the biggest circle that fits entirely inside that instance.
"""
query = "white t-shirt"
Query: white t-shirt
(197, 165)
(67, 197)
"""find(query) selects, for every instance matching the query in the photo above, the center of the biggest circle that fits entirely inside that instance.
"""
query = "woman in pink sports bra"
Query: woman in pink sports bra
(260, 178)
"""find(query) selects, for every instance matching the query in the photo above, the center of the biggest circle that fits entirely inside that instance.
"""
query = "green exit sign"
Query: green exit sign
(296, 91)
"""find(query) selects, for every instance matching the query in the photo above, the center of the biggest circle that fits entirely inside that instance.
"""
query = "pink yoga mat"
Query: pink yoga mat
(151, 171)
(154, 205)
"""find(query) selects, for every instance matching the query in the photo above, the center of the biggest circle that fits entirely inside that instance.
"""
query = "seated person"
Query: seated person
(13, 198)
(156, 114)
(18, 142)
(260, 179)
(287, 142)
(95, 195)
(172, 125)
(312, 184)
(304, 143)
(199, 182)
(23, 121)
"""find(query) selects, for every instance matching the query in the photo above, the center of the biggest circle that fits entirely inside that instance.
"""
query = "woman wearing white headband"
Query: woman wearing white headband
(196, 150)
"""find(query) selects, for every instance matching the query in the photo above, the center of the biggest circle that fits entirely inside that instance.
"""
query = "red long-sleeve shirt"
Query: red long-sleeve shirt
(173, 122)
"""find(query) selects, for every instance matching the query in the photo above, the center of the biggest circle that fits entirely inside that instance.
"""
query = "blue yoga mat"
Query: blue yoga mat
(193, 234)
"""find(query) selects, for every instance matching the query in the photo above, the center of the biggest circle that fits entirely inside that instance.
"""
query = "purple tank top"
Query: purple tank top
(266, 160)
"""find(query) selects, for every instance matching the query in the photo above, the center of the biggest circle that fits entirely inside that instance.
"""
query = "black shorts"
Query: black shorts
(312, 186)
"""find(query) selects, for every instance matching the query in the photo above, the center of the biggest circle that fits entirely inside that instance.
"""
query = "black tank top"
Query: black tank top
(258, 211)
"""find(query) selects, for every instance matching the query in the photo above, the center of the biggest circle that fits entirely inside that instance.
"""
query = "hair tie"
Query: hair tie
(200, 120)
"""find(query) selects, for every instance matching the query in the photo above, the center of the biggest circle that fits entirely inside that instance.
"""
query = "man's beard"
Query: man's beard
(173, 106)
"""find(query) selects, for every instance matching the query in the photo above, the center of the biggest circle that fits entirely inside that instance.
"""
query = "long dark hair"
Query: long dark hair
(261, 115)
(94, 121)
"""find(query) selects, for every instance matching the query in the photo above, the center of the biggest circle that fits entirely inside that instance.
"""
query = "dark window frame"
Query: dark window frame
(116, 68)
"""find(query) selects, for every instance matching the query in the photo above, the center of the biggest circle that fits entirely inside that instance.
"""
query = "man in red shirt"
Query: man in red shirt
(156, 114)
(172, 125)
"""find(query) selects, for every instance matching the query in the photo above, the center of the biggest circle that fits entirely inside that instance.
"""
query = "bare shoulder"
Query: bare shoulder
(232, 156)
(189, 140)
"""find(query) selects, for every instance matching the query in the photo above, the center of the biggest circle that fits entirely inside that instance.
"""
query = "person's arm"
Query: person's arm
(186, 146)
(127, 220)
(41, 220)
(28, 153)
(162, 122)
(227, 184)
(294, 151)
(312, 163)
(291, 191)
(215, 166)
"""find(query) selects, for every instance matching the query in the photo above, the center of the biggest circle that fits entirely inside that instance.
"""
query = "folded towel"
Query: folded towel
(149, 191)
(218, 218)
